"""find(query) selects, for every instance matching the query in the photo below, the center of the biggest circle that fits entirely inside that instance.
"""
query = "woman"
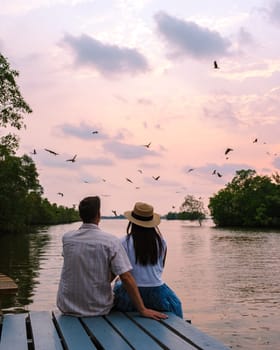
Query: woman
(146, 250)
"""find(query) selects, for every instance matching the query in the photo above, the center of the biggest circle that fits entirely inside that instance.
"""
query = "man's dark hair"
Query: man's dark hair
(89, 208)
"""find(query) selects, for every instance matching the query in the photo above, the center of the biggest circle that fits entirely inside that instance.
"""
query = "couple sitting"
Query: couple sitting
(92, 257)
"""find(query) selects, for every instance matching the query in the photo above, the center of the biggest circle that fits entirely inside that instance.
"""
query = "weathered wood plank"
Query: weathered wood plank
(73, 333)
(187, 331)
(136, 336)
(43, 330)
(168, 338)
(105, 334)
(44, 333)
(13, 335)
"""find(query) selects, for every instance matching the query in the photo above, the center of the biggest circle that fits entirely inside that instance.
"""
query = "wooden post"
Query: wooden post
(7, 286)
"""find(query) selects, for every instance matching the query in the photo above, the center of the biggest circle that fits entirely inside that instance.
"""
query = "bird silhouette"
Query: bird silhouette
(128, 180)
(256, 140)
(72, 159)
(114, 212)
(219, 175)
(156, 177)
(228, 150)
(191, 169)
(94, 132)
(34, 151)
(147, 145)
(140, 171)
(60, 194)
(214, 172)
(52, 152)
(216, 65)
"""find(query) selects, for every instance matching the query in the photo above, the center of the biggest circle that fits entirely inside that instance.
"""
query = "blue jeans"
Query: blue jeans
(160, 298)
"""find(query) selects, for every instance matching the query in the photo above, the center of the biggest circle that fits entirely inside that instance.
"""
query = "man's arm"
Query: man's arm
(133, 292)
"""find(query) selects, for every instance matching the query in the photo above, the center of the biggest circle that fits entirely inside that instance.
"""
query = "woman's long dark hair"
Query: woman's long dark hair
(147, 243)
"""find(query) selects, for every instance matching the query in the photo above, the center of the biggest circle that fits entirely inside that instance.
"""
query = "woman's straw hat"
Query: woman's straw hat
(143, 215)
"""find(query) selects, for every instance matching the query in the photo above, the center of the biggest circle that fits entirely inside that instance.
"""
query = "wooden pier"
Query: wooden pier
(46, 330)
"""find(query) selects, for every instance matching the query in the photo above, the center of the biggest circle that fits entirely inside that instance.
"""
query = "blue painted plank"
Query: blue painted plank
(188, 331)
(166, 336)
(138, 338)
(45, 336)
(105, 333)
(73, 332)
(13, 336)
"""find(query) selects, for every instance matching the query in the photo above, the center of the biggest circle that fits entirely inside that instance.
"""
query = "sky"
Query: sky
(107, 78)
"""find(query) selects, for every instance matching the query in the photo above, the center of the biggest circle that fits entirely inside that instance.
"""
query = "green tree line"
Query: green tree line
(249, 200)
(21, 195)
(191, 209)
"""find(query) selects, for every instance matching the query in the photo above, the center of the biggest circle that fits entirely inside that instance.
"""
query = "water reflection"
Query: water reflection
(228, 280)
(250, 257)
(20, 259)
(247, 284)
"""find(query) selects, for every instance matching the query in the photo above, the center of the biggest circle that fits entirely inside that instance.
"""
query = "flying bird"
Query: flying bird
(147, 145)
(156, 177)
(215, 172)
(114, 212)
(60, 194)
(191, 169)
(256, 140)
(52, 152)
(72, 159)
(140, 171)
(228, 150)
(216, 65)
(34, 151)
(128, 180)
(94, 132)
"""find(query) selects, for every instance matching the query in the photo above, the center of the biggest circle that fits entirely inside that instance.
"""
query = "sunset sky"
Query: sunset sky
(141, 72)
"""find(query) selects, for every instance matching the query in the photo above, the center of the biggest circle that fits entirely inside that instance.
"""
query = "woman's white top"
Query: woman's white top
(145, 276)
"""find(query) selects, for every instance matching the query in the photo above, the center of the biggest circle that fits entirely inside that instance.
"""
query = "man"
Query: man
(91, 260)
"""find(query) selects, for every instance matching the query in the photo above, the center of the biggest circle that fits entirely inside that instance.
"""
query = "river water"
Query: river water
(228, 280)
